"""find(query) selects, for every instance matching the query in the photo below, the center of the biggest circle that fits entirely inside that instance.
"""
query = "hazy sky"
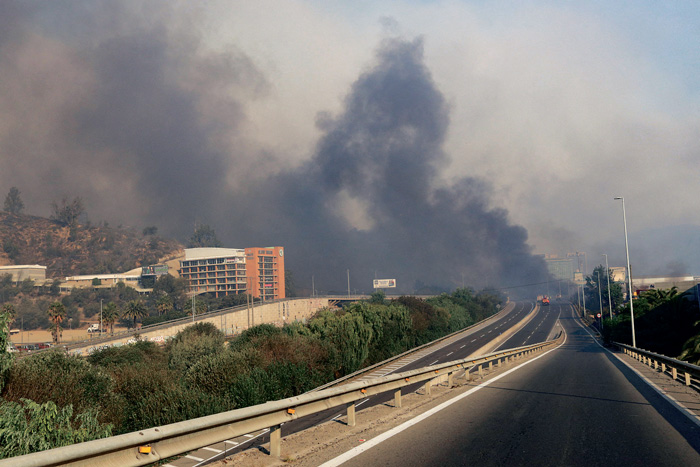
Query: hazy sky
(171, 113)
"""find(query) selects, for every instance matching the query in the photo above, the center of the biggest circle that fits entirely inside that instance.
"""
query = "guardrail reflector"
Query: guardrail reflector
(291, 411)
(407, 379)
(144, 449)
(363, 390)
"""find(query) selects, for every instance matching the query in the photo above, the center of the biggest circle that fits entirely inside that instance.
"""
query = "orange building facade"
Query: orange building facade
(265, 272)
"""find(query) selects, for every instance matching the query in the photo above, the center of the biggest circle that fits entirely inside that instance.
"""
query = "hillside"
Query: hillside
(84, 249)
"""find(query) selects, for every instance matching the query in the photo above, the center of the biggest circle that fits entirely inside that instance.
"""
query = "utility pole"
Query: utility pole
(100, 317)
(348, 283)
(607, 274)
(629, 272)
(600, 301)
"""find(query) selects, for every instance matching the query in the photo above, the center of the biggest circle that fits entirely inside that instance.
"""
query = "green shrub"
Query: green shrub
(60, 378)
(215, 373)
(192, 344)
(149, 396)
(28, 427)
(139, 352)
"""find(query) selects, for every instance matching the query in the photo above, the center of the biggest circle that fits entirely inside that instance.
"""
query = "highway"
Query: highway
(470, 343)
(538, 329)
(575, 405)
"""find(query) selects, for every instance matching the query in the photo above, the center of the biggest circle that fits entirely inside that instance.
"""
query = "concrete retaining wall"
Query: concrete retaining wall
(235, 322)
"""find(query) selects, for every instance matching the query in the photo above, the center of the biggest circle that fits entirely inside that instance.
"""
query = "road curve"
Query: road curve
(576, 405)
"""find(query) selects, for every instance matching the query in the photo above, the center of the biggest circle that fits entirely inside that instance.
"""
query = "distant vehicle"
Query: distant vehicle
(545, 301)
(14, 331)
(94, 328)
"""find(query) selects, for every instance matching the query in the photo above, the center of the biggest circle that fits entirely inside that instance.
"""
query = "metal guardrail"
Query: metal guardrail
(154, 444)
(667, 365)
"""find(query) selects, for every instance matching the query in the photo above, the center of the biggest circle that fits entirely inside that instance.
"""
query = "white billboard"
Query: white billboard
(384, 283)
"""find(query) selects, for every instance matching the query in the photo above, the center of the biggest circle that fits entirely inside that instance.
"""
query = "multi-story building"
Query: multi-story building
(220, 271)
(265, 270)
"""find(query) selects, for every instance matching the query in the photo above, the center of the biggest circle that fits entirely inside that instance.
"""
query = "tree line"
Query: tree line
(666, 321)
(198, 372)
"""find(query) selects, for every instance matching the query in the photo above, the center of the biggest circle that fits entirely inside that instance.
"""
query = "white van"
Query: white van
(94, 328)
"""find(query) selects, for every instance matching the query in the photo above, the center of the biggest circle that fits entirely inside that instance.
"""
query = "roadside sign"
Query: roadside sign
(384, 283)
(598, 315)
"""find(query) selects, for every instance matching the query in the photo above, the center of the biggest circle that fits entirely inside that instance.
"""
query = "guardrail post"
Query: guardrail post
(450, 379)
(351, 414)
(663, 367)
(656, 365)
(467, 374)
(427, 387)
(490, 366)
(674, 373)
(687, 379)
(275, 440)
(397, 398)
(481, 371)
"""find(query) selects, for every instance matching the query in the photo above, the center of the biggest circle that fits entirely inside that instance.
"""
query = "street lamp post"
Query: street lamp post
(629, 271)
(600, 300)
(100, 317)
(607, 274)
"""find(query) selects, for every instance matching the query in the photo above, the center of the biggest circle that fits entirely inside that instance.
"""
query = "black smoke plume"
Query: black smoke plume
(113, 102)
(384, 152)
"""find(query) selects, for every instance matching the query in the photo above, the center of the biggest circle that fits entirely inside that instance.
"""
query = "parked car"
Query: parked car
(95, 328)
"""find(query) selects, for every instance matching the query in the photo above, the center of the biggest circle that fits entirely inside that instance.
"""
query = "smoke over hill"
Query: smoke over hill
(143, 123)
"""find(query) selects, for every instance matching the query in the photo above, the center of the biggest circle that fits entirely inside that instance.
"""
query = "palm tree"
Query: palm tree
(134, 310)
(56, 312)
(110, 314)
(9, 310)
(164, 305)
(657, 297)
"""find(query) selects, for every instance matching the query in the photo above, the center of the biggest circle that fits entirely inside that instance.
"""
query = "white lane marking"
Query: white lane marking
(449, 354)
(207, 448)
(433, 363)
(464, 346)
(198, 459)
(404, 426)
(248, 436)
(231, 442)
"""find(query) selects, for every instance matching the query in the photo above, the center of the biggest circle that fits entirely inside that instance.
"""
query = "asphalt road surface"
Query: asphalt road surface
(462, 348)
(575, 405)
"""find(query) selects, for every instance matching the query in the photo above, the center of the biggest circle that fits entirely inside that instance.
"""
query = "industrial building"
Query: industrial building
(21, 272)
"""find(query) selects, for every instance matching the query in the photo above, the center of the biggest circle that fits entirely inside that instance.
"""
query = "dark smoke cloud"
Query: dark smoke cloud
(132, 113)
(384, 151)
